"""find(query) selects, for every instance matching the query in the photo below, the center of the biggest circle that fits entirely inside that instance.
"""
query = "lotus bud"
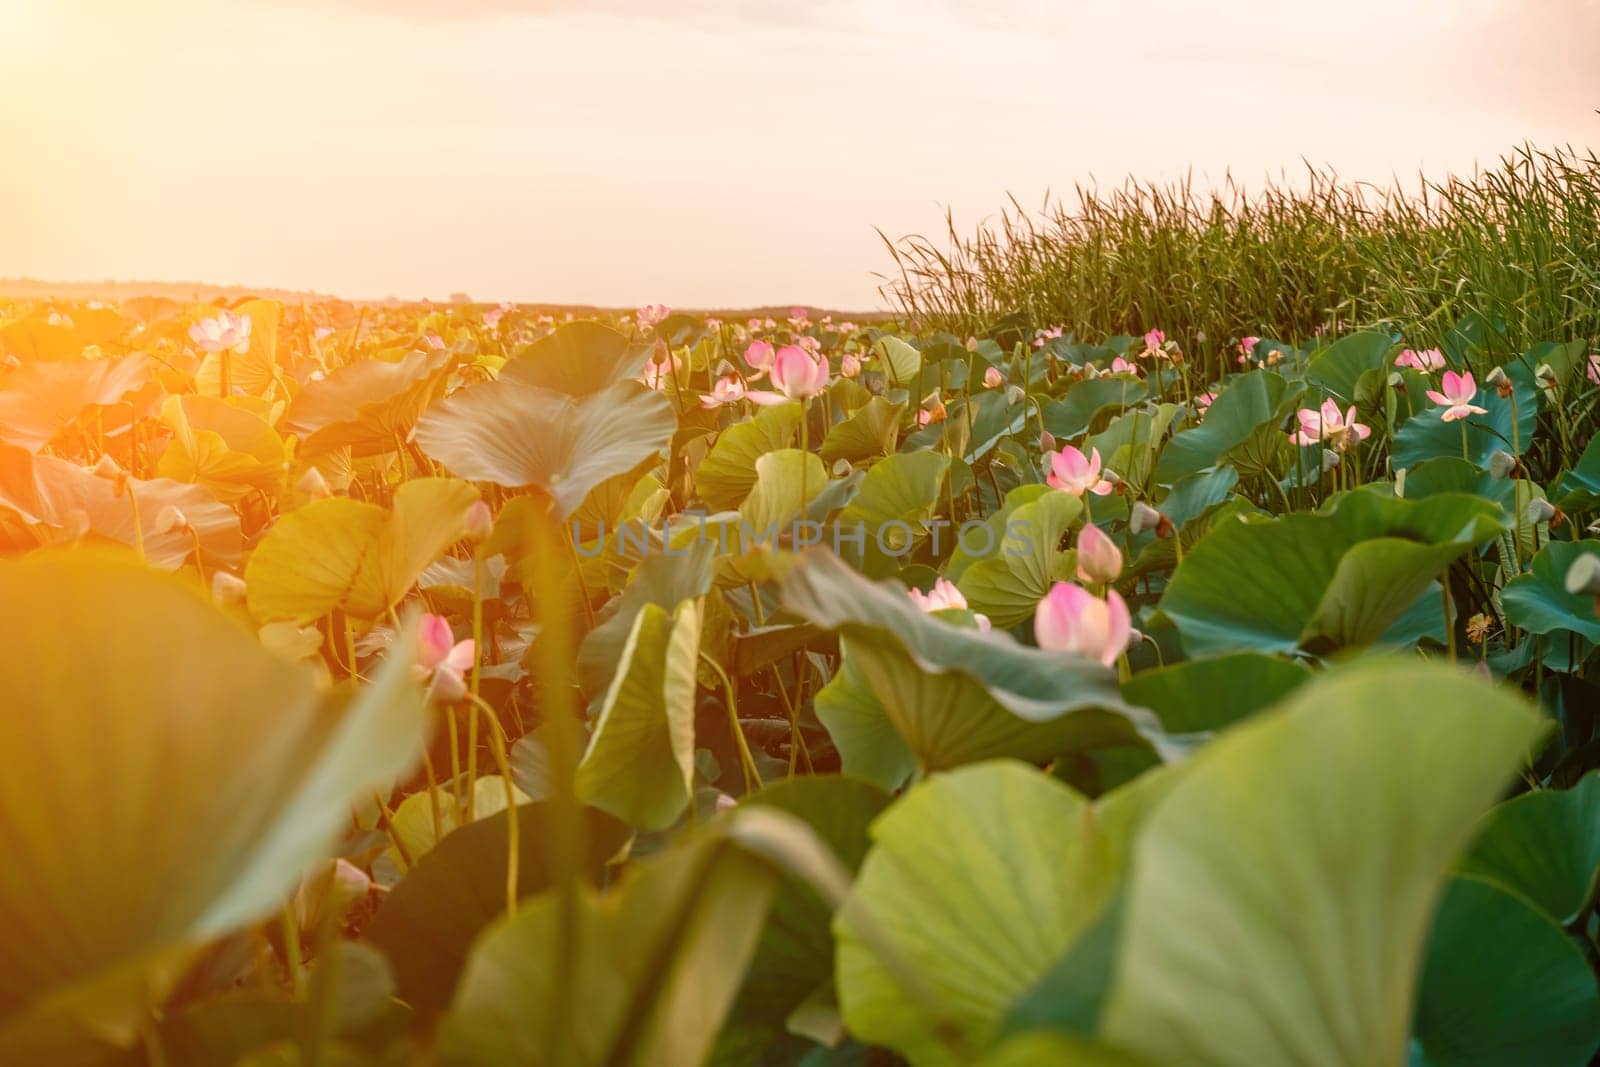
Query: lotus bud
(1047, 441)
(227, 590)
(850, 365)
(1583, 577)
(314, 485)
(479, 522)
(171, 520)
(1015, 394)
(972, 344)
(1497, 378)
(992, 378)
(1330, 459)
(1540, 510)
(1099, 559)
(1503, 464)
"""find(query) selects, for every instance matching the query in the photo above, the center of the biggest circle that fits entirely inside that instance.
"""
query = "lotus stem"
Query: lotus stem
(498, 745)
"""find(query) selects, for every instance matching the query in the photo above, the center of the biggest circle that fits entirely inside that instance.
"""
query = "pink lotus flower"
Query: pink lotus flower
(726, 391)
(1327, 424)
(850, 365)
(1202, 403)
(1122, 366)
(1043, 337)
(848, 327)
(1427, 361)
(713, 324)
(1154, 340)
(1073, 472)
(760, 355)
(796, 374)
(798, 318)
(652, 315)
(1099, 558)
(223, 333)
(1071, 619)
(992, 378)
(658, 373)
(1247, 346)
(443, 661)
(944, 596)
(1459, 391)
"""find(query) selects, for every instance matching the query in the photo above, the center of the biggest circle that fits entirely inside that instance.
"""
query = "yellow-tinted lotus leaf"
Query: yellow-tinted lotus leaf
(221, 446)
(38, 400)
(352, 555)
(53, 334)
(369, 406)
(577, 358)
(45, 500)
(164, 790)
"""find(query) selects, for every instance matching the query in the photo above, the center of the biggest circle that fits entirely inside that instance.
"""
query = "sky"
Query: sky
(705, 153)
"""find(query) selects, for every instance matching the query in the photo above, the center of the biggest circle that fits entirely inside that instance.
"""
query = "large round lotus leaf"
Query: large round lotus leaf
(428, 922)
(1337, 368)
(648, 969)
(49, 500)
(576, 358)
(519, 435)
(1010, 579)
(958, 695)
(977, 882)
(166, 780)
(728, 473)
(639, 765)
(1321, 581)
(1502, 984)
(38, 400)
(368, 406)
(1538, 601)
(1579, 487)
(869, 432)
(869, 745)
(1283, 888)
(901, 363)
(1074, 413)
(1201, 695)
(1250, 403)
(886, 518)
(355, 556)
(222, 447)
(1544, 845)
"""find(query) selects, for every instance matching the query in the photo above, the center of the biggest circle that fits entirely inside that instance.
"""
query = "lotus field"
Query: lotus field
(467, 685)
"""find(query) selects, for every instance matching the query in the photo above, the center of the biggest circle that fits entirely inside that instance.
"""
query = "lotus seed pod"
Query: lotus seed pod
(841, 467)
(171, 519)
(1330, 459)
(1540, 510)
(1143, 517)
(1015, 394)
(227, 590)
(1502, 464)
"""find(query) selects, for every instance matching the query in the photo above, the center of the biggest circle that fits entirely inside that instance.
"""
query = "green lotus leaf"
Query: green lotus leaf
(150, 808)
(654, 962)
(1544, 846)
(1007, 584)
(1579, 487)
(639, 765)
(1283, 887)
(1195, 494)
(728, 473)
(1074, 414)
(1039, 863)
(957, 695)
(1502, 984)
(1538, 601)
(1321, 581)
(354, 556)
(775, 503)
(871, 431)
(1338, 368)
(1201, 695)
(869, 745)
(902, 364)
(795, 958)
(1252, 403)
(576, 358)
(519, 435)
(890, 511)
(429, 920)
(1058, 1049)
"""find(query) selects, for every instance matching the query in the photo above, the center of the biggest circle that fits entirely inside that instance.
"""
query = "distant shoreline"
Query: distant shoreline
(206, 292)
